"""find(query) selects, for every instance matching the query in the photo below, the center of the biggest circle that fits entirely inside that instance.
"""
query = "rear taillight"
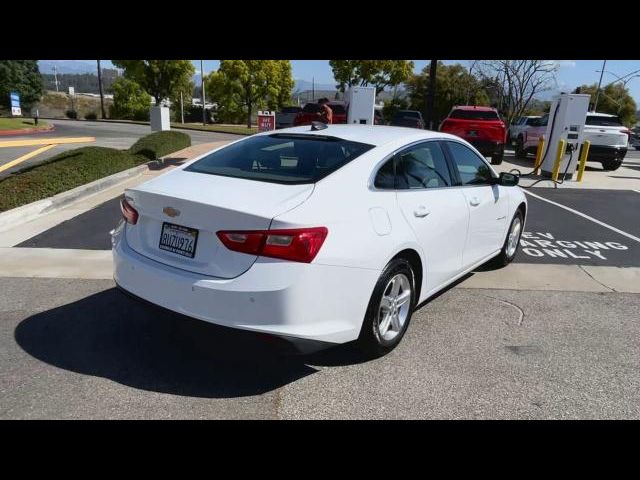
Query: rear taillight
(129, 213)
(297, 245)
(628, 132)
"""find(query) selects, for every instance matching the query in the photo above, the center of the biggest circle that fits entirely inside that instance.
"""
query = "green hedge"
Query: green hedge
(160, 144)
(77, 167)
(63, 172)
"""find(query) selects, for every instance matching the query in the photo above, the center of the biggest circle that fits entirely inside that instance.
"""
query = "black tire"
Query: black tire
(611, 164)
(370, 341)
(496, 159)
(503, 259)
(520, 151)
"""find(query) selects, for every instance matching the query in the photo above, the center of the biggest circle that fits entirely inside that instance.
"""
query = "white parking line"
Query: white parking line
(594, 220)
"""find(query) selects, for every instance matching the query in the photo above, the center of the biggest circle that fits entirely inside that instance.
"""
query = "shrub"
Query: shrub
(91, 116)
(160, 144)
(130, 101)
(71, 114)
(63, 172)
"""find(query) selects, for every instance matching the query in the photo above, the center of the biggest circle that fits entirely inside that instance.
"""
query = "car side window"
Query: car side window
(422, 166)
(385, 178)
(471, 168)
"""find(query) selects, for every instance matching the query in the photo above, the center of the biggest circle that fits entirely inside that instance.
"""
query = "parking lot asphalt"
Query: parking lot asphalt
(552, 235)
(81, 349)
(107, 134)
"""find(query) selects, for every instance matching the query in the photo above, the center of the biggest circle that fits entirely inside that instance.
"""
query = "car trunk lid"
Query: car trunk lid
(181, 206)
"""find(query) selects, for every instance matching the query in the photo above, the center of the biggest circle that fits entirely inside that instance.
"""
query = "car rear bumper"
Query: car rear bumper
(487, 147)
(606, 152)
(296, 301)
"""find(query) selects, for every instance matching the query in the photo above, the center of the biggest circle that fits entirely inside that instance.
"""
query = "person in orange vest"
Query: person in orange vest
(325, 115)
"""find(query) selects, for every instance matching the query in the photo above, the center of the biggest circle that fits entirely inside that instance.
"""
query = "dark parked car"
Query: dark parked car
(285, 117)
(408, 118)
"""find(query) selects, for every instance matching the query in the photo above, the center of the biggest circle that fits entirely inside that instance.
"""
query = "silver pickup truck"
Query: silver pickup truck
(284, 118)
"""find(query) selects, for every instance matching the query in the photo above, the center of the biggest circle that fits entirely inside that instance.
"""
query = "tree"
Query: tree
(454, 86)
(130, 101)
(241, 86)
(513, 83)
(377, 73)
(161, 79)
(23, 77)
(614, 99)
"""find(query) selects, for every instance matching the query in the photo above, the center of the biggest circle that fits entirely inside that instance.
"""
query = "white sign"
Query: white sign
(16, 111)
(543, 244)
(72, 91)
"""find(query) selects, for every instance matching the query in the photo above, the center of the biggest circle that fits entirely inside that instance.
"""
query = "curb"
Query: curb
(25, 213)
(27, 131)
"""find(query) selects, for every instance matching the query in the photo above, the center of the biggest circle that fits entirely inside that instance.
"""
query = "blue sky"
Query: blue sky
(570, 74)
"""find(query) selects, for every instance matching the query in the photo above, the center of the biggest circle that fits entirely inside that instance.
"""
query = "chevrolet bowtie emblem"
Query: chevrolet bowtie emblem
(170, 211)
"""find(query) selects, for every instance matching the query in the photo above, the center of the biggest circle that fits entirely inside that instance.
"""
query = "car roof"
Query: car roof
(372, 134)
(474, 107)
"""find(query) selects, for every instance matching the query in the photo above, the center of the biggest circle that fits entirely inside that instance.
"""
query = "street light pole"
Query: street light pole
(100, 88)
(595, 103)
(204, 115)
(431, 95)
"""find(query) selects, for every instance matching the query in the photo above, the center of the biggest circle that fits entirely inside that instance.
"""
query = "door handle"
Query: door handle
(421, 211)
(474, 201)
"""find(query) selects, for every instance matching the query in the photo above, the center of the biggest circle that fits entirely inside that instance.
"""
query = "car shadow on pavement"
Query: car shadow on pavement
(112, 336)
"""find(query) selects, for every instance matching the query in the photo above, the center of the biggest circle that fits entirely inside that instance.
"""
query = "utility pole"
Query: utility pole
(204, 114)
(595, 103)
(313, 89)
(100, 88)
(55, 76)
(431, 94)
(181, 108)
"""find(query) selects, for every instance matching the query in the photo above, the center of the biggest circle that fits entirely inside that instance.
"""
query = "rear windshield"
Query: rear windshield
(532, 121)
(603, 121)
(474, 114)
(291, 109)
(407, 114)
(337, 108)
(311, 108)
(281, 158)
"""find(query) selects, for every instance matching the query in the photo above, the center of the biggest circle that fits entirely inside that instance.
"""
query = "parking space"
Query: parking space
(553, 234)
(562, 236)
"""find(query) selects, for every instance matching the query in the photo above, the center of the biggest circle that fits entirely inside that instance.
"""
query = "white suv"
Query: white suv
(609, 139)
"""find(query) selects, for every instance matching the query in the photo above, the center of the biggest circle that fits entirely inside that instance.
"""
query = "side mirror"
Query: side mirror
(508, 179)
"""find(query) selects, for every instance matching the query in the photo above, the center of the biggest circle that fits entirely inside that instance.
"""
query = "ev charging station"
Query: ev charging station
(361, 107)
(566, 122)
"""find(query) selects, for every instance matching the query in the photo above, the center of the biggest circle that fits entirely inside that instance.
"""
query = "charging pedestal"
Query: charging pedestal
(361, 105)
(159, 119)
(566, 122)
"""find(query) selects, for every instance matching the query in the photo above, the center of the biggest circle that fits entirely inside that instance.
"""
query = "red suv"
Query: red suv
(308, 113)
(481, 127)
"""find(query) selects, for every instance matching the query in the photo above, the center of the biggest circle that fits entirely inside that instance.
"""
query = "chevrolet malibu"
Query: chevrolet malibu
(317, 234)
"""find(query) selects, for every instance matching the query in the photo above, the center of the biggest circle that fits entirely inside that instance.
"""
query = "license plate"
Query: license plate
(178, 239)
(472, 133)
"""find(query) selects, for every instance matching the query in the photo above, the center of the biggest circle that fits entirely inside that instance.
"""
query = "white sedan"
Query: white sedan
(317, 234)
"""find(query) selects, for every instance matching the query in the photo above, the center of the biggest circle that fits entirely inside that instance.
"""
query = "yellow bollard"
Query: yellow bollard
(536, 165)
(562, 145)
(583, 159)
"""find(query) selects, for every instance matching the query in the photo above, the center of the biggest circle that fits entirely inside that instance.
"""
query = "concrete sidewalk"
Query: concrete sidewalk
(97, 264)
(627, 177)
